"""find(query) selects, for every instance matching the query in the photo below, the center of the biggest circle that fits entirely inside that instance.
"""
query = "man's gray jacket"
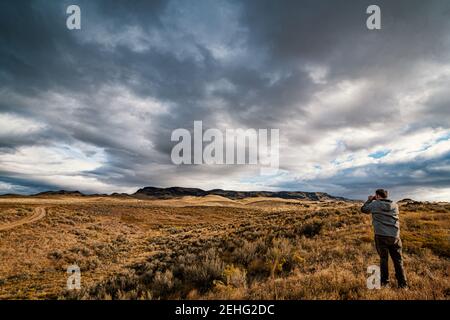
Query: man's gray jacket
(384, 217)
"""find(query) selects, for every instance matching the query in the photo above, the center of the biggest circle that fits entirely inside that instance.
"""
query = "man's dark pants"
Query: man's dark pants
(390, 246)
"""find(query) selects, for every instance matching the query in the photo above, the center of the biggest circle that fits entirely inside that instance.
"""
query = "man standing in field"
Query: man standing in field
(386, 225)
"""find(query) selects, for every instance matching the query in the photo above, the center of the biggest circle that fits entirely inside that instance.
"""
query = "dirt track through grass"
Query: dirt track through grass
(38, 214)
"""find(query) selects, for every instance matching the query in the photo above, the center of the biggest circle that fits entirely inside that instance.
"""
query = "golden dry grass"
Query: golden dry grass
(213, 248)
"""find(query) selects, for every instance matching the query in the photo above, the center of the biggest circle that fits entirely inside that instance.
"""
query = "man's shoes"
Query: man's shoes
(403, 286)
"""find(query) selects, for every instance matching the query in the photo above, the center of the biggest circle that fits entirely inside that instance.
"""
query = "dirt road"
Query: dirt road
(38, 214)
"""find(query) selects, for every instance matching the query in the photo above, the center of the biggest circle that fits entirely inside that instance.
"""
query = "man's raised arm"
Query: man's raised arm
(366, 208)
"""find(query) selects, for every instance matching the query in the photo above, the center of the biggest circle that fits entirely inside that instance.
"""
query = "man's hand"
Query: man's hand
(366, 206)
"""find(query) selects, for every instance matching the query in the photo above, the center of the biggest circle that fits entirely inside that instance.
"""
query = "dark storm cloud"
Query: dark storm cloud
(140, 69)
(331, 31)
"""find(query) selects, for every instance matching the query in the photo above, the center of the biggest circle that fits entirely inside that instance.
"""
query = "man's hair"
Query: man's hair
(382, 193)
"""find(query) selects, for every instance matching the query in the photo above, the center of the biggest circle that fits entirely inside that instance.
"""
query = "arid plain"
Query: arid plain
(211, 247)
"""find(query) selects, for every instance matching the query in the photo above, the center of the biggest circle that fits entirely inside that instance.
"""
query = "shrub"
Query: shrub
(282, 257)
(163, 283)
(310, 229)
(249, 251)
(201, 272)
(235, 277)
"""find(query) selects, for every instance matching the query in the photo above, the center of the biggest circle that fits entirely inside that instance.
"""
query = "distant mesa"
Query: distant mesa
(176, 192)
(11, 195)
(60, 193)
(408, 201)
(168, 193)
(120, 195)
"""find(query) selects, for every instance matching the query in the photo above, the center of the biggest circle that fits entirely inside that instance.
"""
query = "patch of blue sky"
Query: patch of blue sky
(349, 158)
(445, 137)
(379, 154)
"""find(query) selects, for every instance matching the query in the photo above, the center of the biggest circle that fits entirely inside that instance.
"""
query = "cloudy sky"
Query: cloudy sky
(93, 109)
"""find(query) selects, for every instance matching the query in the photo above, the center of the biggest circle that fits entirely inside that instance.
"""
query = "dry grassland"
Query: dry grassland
(212, 248)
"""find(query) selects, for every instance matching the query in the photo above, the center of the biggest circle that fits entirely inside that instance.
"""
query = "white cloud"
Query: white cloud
(52, 160)
(13, 125)
(425, 194)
